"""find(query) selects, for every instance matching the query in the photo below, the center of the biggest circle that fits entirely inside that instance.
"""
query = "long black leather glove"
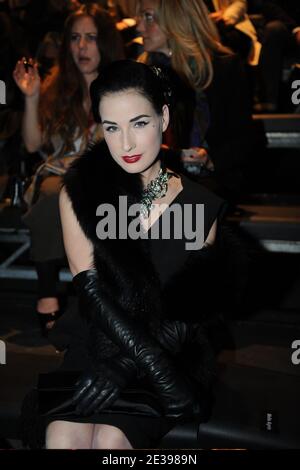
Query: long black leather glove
(178, 337)
(177, 396)
(98, 389)
(185, 341)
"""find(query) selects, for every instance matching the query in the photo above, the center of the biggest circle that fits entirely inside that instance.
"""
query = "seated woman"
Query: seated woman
(139, 329)
(58, 123)
(235, 28)
(122, 212)
(212, 105)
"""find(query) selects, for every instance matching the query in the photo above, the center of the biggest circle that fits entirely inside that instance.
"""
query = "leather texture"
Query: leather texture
(134, 297)
(98, 389)
(176, 393)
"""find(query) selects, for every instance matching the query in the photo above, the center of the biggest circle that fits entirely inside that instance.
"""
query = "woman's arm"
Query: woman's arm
(28, 80)
(235, 12)
(31, 131)
(96, 389)
(78, 248)
(211, 237)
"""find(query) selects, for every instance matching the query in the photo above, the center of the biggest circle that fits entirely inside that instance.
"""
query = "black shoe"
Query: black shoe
(45, 318)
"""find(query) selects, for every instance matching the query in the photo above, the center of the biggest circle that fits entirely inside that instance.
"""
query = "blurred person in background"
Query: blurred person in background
(58, 123)
(212, 106)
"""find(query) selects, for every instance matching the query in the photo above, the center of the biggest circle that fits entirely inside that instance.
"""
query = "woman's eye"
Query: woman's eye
(149, 17)
(92, 37)
(110, 128)
(141, 123)
(88, 37)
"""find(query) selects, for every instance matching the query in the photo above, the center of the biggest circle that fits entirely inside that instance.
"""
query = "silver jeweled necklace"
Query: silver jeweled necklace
(156, 189)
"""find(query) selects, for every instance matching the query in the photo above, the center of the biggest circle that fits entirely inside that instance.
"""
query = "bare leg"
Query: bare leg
(109, 437)
(67, 435)
(48, 305)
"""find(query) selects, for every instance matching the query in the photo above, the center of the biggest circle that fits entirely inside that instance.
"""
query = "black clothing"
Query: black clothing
(230, 36)
(228, 132)
(43, 220)
(47, 276)
(275, 32)
(151, 352)
(136, 276)
(288, 12)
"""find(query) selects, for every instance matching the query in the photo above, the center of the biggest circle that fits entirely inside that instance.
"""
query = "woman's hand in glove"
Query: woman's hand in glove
(98, 389)
(94, 392)
(136, 342)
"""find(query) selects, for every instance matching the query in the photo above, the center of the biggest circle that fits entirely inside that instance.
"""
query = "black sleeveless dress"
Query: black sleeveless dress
(168, 257)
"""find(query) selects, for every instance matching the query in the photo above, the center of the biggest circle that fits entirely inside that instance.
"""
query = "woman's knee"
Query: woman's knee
(65, 435)
(109, 437)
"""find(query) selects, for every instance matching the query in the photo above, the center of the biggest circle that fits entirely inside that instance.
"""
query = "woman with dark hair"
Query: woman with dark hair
(137, 237)
(58, 123)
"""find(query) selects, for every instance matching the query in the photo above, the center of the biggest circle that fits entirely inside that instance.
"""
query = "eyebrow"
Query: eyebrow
(88, 32)
(131, 120)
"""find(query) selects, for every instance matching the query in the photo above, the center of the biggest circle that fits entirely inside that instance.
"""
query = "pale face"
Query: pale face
(84, 47)
(133, 131)
(153, 38)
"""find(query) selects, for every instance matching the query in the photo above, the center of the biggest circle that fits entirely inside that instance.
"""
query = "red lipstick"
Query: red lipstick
(132, 158)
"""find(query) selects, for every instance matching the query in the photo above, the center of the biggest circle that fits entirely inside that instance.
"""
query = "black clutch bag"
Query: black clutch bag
(56, 389)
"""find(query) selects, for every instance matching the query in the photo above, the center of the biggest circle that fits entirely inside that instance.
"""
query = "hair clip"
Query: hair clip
(157, 71)
(165, 82)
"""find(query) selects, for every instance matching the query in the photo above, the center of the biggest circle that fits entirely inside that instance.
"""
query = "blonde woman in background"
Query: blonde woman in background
(212, 111)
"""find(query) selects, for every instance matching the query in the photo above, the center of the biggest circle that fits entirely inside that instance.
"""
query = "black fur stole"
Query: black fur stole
(123, 265)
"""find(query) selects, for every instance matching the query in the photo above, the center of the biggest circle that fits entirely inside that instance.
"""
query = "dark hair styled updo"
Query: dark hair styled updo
(123, 75)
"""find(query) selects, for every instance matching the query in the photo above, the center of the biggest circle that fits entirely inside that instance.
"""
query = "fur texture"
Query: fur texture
(124, 266)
